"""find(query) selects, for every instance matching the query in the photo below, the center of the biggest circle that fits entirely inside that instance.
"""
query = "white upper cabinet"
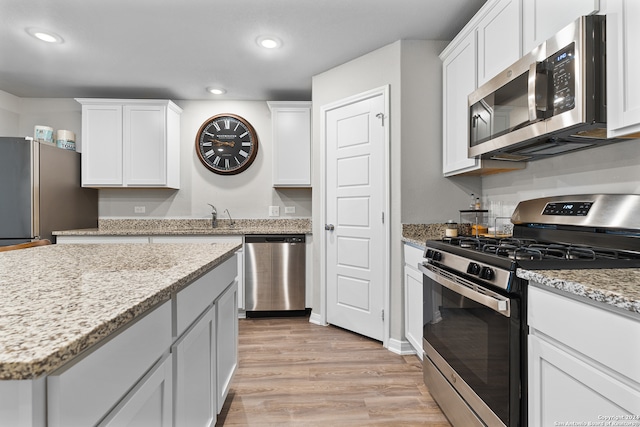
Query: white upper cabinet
(459, 80)
(543, 18)
(491, 39)
(130, 143)
(623, 68)
(291, 136)
(498, 39)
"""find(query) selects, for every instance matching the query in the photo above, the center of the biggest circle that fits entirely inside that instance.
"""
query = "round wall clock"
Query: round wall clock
(226, 144)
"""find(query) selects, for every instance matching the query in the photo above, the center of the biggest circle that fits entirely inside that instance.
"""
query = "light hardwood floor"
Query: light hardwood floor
(295, 373)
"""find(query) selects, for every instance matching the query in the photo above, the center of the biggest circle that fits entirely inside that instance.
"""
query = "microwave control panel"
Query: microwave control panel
(563, 78)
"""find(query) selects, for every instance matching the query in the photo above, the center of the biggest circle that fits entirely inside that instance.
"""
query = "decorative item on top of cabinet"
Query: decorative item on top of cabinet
(623, 69)
(130, 143)
(291, 135)
(459, 74)
(542, 19)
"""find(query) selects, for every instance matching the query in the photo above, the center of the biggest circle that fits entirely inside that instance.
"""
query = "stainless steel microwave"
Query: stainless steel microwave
(551, 101)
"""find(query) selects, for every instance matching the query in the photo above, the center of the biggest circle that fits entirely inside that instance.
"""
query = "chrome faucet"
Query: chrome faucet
(214, 216)
(231, 221)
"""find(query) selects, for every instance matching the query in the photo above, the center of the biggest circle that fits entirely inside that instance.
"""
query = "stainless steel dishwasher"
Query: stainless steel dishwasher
(274, 274)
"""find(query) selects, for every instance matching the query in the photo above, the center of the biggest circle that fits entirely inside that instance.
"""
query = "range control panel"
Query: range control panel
(567, 208)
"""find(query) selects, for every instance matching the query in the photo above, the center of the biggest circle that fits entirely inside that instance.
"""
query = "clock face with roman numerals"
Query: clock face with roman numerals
(226, 144)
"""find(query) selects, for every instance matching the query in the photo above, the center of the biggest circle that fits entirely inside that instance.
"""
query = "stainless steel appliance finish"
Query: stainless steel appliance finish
(473, 345)
(40, 192)
(475, 308)
(608, 211)
(274, 273)
(551, 101)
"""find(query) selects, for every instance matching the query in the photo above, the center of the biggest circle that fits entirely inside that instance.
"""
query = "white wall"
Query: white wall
(246, 195)
(608, 169)
(419, 193)
(58, 113)
(427, 197)
(9, 114)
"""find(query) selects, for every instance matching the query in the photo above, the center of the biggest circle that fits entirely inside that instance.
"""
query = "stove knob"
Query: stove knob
(473, 268)
(437, 256)
(429, 253)
(487, 273)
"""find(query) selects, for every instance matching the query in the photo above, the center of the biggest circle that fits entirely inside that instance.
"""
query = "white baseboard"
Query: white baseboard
(402, 348)
(316, 319)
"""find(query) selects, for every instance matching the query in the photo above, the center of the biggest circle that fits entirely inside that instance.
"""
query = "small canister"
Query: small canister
(43, 134)
(451, 229)
(66, 139)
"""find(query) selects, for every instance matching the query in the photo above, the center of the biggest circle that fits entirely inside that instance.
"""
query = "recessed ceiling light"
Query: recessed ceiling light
(269, 42)
(45, 35)
(216, 90)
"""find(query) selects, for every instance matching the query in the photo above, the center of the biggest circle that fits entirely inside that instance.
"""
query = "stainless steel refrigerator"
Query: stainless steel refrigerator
(41, 192)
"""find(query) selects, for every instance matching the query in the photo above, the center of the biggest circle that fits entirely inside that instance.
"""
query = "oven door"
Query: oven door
(472, 340)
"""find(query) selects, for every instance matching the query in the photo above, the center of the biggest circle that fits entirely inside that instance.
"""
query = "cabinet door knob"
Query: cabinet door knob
(329, 227)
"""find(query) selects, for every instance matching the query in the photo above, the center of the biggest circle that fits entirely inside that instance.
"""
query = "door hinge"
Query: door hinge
(382, 314)
(383, 217)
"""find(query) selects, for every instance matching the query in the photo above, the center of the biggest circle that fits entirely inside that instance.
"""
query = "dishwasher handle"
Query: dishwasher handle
(275, 238)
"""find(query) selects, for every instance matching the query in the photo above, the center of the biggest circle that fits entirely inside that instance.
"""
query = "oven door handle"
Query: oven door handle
(468, 289)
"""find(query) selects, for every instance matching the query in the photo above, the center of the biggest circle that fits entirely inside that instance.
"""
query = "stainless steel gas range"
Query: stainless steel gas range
(475, 329)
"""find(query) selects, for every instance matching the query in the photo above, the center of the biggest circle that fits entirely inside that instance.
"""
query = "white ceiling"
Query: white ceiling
(176, 48)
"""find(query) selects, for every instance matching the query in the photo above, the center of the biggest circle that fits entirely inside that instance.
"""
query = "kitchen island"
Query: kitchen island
(84, 328)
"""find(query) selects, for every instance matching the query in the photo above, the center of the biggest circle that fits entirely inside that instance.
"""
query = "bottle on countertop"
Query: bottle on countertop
(477, 204)
(472, 204)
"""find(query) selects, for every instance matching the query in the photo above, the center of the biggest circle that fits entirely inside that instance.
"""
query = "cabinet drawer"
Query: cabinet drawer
(82, 392)
(413, 256)
(602, 335)
(193, 300)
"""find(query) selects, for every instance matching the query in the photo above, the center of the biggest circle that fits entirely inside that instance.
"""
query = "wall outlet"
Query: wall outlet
(274, 210)
(139, 209)
(289, 209)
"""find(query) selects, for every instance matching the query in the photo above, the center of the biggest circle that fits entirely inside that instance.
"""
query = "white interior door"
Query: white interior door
(355, 239)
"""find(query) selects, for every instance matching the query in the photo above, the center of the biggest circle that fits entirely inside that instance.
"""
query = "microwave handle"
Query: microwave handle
(531, 98)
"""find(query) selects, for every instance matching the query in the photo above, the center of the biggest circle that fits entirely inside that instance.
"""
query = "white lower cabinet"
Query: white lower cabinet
(226, 322)
(195, 373)
(82, 392)
(150, 402)
(413, 298)
(61, 240)
(583, 362)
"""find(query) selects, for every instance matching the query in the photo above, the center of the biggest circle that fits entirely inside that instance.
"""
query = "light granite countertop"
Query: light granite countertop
(418, 234)
(618, 287)
(184, 227)
(59, 300)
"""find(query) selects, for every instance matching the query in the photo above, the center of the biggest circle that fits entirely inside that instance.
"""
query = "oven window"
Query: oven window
(475, 341)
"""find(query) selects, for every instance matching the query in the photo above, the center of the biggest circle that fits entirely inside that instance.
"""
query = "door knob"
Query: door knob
(329, 227)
